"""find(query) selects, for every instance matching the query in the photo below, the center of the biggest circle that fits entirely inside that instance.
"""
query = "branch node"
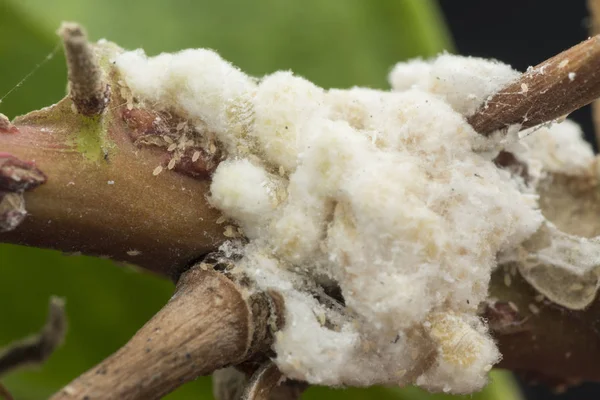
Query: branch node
(90, 94)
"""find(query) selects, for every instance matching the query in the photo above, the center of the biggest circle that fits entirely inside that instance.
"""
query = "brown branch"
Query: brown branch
(86, 87)
(594, 9)
(113, 206)
(549, 91)
(101, 197)
(37, 349)
(556, 345)
(210, 322)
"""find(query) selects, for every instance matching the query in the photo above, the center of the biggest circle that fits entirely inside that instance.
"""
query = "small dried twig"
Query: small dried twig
(208, 324)
(549, 91)
(37, 349)
(86, 87)
(5, 394)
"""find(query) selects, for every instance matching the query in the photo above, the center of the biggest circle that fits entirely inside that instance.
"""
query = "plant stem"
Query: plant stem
(101, 197)
(209, 323)
(549, 91)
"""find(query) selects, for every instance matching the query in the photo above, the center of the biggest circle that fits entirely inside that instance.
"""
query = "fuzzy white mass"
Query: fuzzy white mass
(383, 195)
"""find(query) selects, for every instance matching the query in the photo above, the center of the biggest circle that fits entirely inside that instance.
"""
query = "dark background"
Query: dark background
(523, 33)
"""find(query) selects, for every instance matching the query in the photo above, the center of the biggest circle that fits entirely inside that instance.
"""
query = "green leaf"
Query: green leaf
(333, 43)
(105, 305)
(23, 46)
(502, 387)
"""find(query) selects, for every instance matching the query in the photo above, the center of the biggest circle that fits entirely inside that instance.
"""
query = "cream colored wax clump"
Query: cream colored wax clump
(387, 198)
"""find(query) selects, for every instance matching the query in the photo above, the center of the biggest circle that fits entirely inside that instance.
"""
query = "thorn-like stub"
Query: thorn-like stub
(17, 175)
(6, 126)
(90, 94)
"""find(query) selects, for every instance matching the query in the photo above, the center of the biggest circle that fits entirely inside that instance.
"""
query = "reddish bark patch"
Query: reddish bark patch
(140, 122)
(201, 168)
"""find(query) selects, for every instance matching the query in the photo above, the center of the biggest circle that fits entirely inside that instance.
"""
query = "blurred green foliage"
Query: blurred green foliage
(331, 42)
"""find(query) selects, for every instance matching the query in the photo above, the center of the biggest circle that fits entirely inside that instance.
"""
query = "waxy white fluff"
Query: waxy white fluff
(383, 194)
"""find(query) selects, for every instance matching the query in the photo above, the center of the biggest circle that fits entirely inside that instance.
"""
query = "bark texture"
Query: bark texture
(210, 322)
(546, 92)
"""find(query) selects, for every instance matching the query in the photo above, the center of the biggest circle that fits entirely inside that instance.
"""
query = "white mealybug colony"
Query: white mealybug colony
(388, 197)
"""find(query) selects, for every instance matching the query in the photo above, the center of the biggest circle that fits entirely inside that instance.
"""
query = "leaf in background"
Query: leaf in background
(333, 43)
(23, 45)
(502, 387)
